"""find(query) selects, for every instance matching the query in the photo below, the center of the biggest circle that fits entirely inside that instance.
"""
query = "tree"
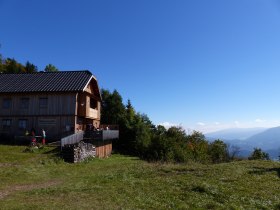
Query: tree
(1, 58)
(30, 68)
(218, 151)
(12, 66)
(113, 110)
(51, 68)
(143, 135)
(160, 130)
(2, 69)
(130, 112)
(258, 154)
(198, 145)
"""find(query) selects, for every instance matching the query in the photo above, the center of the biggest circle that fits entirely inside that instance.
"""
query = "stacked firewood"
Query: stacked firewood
(78, 152)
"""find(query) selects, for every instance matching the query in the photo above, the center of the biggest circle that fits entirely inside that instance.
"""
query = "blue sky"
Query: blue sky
(205, 65)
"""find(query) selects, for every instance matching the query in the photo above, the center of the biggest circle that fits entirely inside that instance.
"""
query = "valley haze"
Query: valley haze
(268, 139)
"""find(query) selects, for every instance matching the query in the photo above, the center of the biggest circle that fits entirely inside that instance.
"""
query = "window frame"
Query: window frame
(24, 103)
(20, 123)
(43, 102)
(6, 125)
(7, 103)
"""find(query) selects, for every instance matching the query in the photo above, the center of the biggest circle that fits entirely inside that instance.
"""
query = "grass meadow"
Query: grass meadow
(41, 180)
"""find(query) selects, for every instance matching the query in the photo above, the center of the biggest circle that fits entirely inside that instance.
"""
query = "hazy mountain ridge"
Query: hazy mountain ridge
(235, 133)
(268, 139)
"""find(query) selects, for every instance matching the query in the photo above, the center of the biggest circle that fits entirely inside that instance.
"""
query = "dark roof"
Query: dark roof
(63, 81)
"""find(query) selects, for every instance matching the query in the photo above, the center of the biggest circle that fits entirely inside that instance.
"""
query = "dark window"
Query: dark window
(7, 103)
(43, 102)
(6, 123)
(79, 120)
(24, 103)
(22, 124)
(93, 103)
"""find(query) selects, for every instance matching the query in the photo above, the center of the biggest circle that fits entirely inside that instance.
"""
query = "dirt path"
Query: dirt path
(15, 188)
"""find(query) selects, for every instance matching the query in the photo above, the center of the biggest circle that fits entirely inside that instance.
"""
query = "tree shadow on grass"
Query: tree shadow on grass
(260, 171)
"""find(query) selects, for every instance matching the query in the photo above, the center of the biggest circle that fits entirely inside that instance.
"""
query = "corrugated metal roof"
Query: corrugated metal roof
(63, 81)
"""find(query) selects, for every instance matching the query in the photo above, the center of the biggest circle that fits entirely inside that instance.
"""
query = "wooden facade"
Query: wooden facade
(104, 149)
(58, 113)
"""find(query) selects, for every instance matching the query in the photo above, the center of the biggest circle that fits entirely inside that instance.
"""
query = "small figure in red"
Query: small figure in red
(33, 136)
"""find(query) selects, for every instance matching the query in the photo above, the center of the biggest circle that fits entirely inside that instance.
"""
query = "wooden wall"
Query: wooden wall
(58, 104)
(56, 118)
(55, 126)
(103, 148)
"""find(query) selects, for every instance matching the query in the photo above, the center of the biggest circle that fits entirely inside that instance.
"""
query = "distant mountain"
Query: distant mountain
(234, 133)
(267, 140)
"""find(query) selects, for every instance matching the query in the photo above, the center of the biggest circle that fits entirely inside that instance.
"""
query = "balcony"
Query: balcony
(92, 113)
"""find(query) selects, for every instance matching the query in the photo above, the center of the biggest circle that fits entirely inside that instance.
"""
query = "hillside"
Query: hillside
(42, 180)
(267, 140)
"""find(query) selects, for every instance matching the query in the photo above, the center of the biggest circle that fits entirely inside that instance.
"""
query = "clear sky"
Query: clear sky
(205, 65)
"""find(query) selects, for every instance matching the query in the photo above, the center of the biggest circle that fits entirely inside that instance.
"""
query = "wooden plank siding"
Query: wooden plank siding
(60, 116)
(56, 118)
(64, 112)
(103, 148)
(58, 104)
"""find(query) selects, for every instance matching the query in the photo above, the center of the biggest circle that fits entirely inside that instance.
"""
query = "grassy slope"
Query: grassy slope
(42, 181)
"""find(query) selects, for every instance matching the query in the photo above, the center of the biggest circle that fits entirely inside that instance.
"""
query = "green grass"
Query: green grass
(41, 180)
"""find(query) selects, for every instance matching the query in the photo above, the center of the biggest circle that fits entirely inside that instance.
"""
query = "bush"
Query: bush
(258, 154)
(218, 151)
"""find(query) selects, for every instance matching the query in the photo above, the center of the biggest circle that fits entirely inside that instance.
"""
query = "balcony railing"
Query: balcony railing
(102, 134)
(72, 139)
(92, 113)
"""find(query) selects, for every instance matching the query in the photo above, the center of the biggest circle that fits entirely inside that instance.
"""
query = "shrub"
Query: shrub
(218, 151)
(258, 154)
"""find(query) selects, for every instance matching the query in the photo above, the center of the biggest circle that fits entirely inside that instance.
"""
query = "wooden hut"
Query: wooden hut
(61, 103)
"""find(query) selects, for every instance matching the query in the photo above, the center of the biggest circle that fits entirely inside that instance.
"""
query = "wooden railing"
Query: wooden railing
(110, 134)
(92, 113)
(72, 139)
(93, 135)
(102, 134)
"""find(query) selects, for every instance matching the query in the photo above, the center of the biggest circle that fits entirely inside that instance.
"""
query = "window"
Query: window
(7, 103)
(22, 124)
(79, 120)
(43, 102)
(24, 103)
(93, 103)
(6, 123)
